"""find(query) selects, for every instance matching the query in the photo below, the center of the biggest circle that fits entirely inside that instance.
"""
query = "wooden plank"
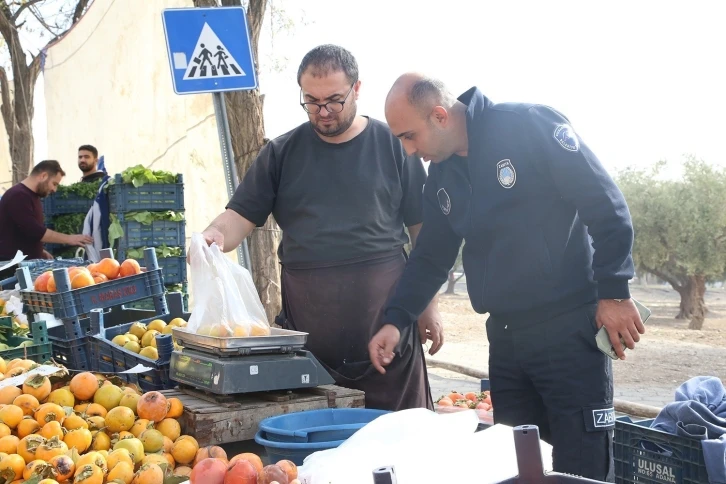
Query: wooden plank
(213, 424)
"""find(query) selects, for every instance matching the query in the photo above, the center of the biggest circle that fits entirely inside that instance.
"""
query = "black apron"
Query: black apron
(341, 306)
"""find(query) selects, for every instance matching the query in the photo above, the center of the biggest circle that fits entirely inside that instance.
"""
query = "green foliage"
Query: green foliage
(70, 224)
(680, 224)
(116, 231)
(161, 252)
(81, 189)
(139, 175)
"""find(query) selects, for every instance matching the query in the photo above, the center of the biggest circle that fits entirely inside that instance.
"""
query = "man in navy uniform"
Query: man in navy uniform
(517, 184)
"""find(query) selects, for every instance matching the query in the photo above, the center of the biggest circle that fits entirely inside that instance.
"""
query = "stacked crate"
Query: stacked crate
(166, 237)
(63, 204)
(69, 340)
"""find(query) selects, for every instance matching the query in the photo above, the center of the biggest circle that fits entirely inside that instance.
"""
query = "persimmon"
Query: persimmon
(129, 267)
(41, 282)
(152, 406)
(254, 459)
(445, 402)
(455, 396)
(98, 278)
(471, 396)
(84, 385)
(109, 268)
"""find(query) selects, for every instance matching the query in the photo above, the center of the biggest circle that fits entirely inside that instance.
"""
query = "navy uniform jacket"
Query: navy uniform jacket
(526, 200)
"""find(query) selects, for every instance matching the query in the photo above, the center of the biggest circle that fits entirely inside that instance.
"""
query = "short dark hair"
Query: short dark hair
(51, 167)
(90, 148)
(427, 92)
(327, 58)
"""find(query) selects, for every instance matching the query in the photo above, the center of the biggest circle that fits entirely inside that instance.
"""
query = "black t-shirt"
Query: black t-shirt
(334, 202)
(98, 175)
(21, 223)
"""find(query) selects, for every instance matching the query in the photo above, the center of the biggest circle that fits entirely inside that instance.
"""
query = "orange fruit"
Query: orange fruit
(84, 385)
(51, 284)
(82, 279)
(109, 268)
(152, 406)
(129, 267)
(41, 283)
(176, 408)
(99, 278)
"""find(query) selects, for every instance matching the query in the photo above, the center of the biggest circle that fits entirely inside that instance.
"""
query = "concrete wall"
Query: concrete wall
(107, 83)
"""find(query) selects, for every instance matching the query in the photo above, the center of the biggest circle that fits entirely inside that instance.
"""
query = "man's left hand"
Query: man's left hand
(430, 328)
(621, 319)
(47, 255)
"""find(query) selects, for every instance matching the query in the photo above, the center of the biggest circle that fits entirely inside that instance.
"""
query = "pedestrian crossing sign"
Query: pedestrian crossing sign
(209, 49)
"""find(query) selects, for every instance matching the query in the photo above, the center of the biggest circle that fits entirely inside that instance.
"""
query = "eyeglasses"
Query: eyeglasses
(331, 106)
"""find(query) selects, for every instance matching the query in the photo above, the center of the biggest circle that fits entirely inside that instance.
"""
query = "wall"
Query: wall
(107, 83)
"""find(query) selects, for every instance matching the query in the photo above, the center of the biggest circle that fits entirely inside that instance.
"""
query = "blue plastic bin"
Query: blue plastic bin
(296, 435)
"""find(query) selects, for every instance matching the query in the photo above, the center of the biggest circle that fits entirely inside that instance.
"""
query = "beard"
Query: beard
(85, 167)
(341, 123)
(44, 189)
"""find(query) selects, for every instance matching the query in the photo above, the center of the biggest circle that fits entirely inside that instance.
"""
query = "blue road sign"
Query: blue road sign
(209, 49)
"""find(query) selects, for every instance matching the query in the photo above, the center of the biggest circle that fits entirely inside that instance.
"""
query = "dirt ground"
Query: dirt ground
(668, 354)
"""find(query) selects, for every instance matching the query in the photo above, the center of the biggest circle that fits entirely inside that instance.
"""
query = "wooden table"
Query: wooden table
(216, 420)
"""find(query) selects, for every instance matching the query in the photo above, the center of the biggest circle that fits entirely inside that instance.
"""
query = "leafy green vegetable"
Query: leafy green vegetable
(80, 189)
(162, 252)
(175, 288)
(70, 224)
(116, 231)
(139, 175)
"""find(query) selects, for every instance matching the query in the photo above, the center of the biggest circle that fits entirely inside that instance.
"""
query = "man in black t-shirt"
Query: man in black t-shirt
(342, 189)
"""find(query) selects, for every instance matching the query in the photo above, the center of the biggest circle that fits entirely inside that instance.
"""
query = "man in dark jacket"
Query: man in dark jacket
(527, 195)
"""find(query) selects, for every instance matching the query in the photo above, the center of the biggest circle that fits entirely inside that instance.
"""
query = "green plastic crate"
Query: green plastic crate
(39, 351)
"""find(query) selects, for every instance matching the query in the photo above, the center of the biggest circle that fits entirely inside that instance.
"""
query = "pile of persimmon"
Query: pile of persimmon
(470, 400)
(91, 431)
(212, 467)
(105, 270)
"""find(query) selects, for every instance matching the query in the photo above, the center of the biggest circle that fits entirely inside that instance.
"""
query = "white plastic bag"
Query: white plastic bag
(226, 302)
(422, 446)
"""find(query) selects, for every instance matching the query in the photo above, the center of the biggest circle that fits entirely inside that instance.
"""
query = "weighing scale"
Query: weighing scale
(226, 366)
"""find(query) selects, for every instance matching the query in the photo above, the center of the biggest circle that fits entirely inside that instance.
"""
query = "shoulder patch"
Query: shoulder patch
(444, 201)
(566, 137)
(506, 174)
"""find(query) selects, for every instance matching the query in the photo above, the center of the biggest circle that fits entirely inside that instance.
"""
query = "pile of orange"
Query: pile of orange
(105, 270)
(90, 431)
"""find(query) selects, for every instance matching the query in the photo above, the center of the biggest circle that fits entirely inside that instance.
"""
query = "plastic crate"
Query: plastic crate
(108, 357)
(39, 351)
(55, 204)
(70, 343)
(148, 304)
(73, 354)
(155, 197)
(155, 234)
(173, 269)
(646, 455)
(79, 302)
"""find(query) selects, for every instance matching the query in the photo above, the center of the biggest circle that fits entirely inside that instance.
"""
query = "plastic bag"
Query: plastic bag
(226, 302)
(404, 440)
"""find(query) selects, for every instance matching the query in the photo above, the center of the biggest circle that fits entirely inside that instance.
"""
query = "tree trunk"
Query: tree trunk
(451, 288)
(246, 125)
(697, 303)
(17, 111)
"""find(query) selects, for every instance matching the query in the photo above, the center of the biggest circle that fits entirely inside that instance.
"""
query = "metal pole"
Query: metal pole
(230, 169)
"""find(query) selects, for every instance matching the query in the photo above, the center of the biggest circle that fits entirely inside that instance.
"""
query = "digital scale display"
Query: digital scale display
(193, 370)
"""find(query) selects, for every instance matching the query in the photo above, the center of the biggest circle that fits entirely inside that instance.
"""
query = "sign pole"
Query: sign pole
(230, 168)
(210, 52)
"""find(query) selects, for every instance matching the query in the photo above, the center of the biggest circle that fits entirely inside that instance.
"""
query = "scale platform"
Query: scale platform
(226, 366)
